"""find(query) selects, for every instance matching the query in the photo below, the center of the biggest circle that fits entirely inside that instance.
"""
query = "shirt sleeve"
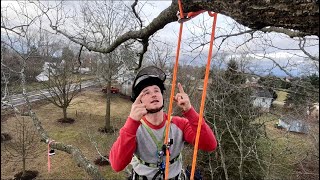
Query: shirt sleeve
(207, 139)
(123, 148)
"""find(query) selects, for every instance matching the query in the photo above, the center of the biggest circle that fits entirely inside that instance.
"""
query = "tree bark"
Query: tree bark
(300, 15)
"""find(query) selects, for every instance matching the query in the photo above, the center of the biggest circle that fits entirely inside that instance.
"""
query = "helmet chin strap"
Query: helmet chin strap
(152, 111)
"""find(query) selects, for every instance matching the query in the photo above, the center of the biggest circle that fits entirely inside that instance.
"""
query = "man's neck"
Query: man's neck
(155, 118)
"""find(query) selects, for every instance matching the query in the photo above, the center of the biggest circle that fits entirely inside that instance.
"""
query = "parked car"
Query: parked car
(113, 90)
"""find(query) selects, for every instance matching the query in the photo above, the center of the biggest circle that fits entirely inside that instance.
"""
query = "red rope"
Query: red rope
(49, 163)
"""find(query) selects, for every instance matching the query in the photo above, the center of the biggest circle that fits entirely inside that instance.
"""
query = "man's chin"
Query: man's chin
(154, 110)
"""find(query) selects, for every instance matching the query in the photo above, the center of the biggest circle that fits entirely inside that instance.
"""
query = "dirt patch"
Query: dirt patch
(5, 137)
(100, 161)
(108, 131)
(29, 175)
(66, 120)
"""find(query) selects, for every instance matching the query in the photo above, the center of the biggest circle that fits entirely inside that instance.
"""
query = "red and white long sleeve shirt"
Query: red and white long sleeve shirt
(134, 139)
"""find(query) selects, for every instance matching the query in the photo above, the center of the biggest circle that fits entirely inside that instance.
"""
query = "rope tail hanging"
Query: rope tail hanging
(204, 92)
(173, 84)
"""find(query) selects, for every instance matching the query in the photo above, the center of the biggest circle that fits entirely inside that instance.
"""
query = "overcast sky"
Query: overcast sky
(255, 49)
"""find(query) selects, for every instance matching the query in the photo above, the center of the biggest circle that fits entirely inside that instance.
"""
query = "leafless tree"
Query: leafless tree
(160, 55)
(104, 21)
(25, 143)
(16, 35)
(62, 86)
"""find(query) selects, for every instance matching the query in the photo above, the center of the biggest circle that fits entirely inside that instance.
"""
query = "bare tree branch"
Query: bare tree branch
(165, 17)
(302, 43)
(135, 12)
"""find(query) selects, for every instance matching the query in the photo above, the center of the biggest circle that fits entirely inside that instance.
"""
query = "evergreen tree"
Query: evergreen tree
(314, 80)
(300, 96)
(230, 110)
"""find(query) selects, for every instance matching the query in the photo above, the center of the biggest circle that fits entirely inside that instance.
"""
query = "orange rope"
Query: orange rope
(204, 92)
(173, 86)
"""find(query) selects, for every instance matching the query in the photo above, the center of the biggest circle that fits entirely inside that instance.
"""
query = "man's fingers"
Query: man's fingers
(180, 88)
(141, 105)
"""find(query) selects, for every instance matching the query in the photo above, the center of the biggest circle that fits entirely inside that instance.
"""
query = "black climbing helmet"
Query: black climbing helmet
(148, 76)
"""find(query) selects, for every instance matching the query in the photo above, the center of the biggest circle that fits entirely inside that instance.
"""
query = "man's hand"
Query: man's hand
(138, 109)
(182, 99)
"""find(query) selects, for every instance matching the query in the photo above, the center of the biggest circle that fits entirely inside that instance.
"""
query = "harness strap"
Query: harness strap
(153, 165)
(158, 143)
(136, 176)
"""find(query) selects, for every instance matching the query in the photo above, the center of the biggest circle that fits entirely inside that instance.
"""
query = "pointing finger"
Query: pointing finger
(138, 99)
(180, 88)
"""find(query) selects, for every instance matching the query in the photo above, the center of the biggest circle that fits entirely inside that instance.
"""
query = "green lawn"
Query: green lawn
(15, 87)
(282, 150)
(282, 95)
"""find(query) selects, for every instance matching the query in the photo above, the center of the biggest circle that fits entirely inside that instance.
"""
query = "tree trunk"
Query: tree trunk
(23, 149)
(107, 125)
(23, 167)
(64, 113)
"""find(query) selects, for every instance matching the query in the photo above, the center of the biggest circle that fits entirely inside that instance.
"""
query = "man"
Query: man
(141, 138)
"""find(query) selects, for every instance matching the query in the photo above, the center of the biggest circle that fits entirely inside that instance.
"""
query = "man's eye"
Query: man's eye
(146, 93)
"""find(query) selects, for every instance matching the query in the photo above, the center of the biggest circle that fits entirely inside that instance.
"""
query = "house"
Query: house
(85, 70)
(200, 87)
(125, 78)
(252, 81)
(44, 75)
(292, 124)
(313, 111)
(262, 98)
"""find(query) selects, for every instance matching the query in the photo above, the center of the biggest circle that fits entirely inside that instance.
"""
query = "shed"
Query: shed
(292, 124)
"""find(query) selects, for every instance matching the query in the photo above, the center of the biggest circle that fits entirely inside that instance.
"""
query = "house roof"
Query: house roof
(259, 92)
(289, 119)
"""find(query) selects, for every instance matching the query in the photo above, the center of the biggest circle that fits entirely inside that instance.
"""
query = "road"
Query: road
(18, 99)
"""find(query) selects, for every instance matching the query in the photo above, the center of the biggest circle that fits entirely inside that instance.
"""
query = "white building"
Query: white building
(262, 98)
(44, 75)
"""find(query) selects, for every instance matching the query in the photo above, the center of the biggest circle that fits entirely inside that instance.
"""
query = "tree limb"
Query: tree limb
(135, 12)
(165, 17)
